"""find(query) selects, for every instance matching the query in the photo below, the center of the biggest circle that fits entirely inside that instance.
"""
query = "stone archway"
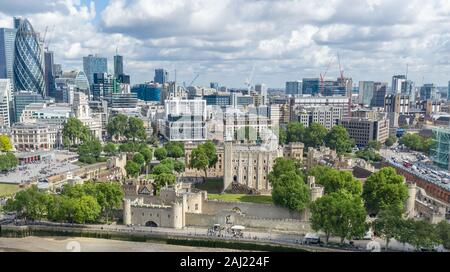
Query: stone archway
(151, 224)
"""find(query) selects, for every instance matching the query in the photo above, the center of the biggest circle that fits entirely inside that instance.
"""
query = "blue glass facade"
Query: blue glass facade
(94, 64)
(218, 100)
(147, 92)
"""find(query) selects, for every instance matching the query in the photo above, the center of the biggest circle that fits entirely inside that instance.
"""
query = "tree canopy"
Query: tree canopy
(334, 180)
(74, 131)
(5, 143)
(416, 142)
(339, 139)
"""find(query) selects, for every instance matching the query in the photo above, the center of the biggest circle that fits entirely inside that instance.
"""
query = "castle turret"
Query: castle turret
(126, 212)
(315, 191)
(410, 202)
(177, 215)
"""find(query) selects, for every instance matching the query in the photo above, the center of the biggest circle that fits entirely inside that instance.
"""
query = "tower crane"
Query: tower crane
(192, 82)
(248, 80)
(52, 32)
(322, 78)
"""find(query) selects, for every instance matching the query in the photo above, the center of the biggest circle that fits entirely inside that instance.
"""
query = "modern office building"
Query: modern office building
(214, 85)
(23, 99)
(261, 90)
(398, 103)
(379, 94)
(325, 115)
(49, 75)
(122, 100)
(118, 66)
(397, 82)
(218, 99)
(28, 60)
(342, 102)
(428, 91)
(310, 86)
(293, 87)
(148, 91)
(93, 64)
(364, 130)
(366, 89)
(5, 102)
(407, 87)
(7, 41)
(102, 86)
(440, 149)
(185, 120)
(161, 76)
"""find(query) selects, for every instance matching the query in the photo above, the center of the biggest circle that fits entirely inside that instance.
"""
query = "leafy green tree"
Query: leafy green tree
(110, 149)
(85, 209)
(199, 160)
(282, 166)
(160, 153)
(388, 223)
(135, 129)
(174, 149)
(90, 151)
(290, 191)
(179, 166)
(416, 142)
(74, 131)
(282, 136)
(295, 132)
(424, 235)
(339, 213)
(384, 188)
(368, 154)
(164, 179)
(315, 135)
(339, 139)
(210, 150)
(405, 231)
(8, 161)
(139, 159)
(5, 143)
(117, 126)
(390, 141)
(147, 153)
(334, 180)
(375, 145)
(30, 203)
(109, 196)
(132, 169)
(162, 168)
(443, 233)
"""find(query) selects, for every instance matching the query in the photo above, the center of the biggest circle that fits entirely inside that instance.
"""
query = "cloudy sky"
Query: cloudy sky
(223, 40)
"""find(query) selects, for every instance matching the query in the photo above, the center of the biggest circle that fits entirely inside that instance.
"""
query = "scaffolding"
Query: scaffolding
(440, 148)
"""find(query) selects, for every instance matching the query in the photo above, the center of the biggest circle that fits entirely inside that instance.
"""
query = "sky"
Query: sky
(223, 40)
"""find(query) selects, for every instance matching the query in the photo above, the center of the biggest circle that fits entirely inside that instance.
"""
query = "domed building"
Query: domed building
(28, 60)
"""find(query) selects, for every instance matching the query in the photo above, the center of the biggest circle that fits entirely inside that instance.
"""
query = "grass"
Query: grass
(261, 199)
(212, 185)
(8, 189)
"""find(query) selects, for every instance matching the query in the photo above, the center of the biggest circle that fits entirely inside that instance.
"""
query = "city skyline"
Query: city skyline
(221, 42)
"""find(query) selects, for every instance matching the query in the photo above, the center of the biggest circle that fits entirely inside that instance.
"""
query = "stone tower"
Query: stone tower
(315, 191)
(126, 212)
(177, 215)
(410, 202)
(228, 156)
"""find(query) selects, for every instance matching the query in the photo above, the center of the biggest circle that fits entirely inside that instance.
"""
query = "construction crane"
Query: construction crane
(344, 83)
(52, 33)
(248, 80)
(322, 78)
(192, 82)
(45, 35)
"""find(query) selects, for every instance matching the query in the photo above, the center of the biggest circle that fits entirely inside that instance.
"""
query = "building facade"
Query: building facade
(94, 64)
(364, 130)
(7, 41)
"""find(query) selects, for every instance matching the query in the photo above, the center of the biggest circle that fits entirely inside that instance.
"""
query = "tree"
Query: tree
(74, 131)
(5, 143)
(416, 142)
(139, 159)
(85, 209)
(388, 223)
(174, 149)
(135, 129)
(339, 213)
(162, 168)
(295, 132)
(339, 139)
(424, 235)
(315, 135)
(368, 154)
(290, 191)
(282, 136)
(117, 126)
(443, 233)
(109, 196)
(29, 204)
(383, 189)
(405, 231)
(110, 149)
(210, 150)
(90, 151)
(375, 145)
(8, 161)
(334, 180)
(179, 166)
(160, 153)
(132, 169)
(199, 160)
(390, 141)
(147, 153)
(164, 179)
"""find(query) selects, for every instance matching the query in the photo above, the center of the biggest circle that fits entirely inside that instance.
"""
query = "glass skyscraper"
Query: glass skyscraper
(7, 39)
(161, 76)
(118, 66)
(94, 64)
(28, 60)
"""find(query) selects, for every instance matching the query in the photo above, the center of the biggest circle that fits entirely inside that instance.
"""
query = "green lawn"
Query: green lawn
(262, 199)
(212, 185)
(8, 189)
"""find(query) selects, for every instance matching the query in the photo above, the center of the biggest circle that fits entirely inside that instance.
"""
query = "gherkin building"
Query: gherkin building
(28, 68)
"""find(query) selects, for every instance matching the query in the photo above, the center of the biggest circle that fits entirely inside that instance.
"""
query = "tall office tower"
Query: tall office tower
(345, 86)
(365, 92)
(428, 91)
(311, 86)
(118, 66)
(161, 76)
(407, 87)
(28, 60)
(23, 99)
(17, 21)
(397, 82)
(7, 40)
(293, 87)
(57, 70)
(379, 94)
(104, 85)
(214, 85)
(5, 102)
(94, 64)
(261, 90)
(49, 74)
